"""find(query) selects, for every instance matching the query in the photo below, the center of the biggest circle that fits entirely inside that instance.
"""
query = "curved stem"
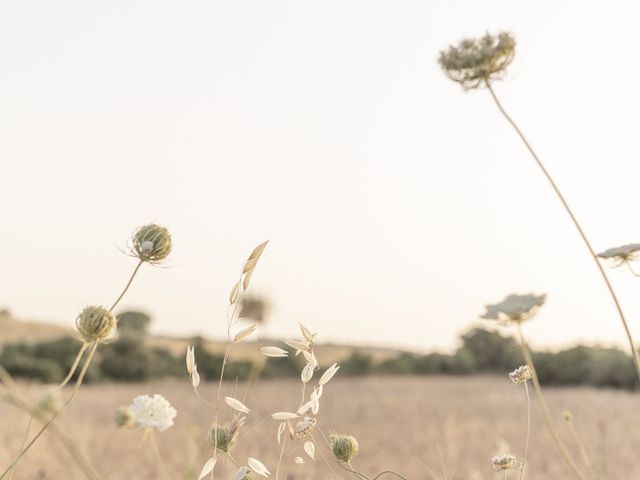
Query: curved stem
(545, 409)
(135, 271)
(526, 443)
(350, 468)
(284, 441)
(74, 366)
(605, 278)
(128, 455)
(157, 455)
(23, 443)
(581, 448)
(628, 263)
(55, 415)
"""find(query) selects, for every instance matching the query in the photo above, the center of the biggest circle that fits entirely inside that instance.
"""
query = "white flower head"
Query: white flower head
(153, 412)
(520, 375)
(515, 308)
(504, 462)
(622, 254)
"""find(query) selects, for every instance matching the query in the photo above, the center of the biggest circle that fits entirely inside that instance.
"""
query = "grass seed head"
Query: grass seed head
(95, 323)
(520, 375)
(151, 243)
(224, 437)
(344, 447)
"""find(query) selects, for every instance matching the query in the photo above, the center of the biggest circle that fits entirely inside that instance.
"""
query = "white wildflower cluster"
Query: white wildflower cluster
(515, 308)
(622, 255)
(504, 462)
(152, 412)
(520, 375)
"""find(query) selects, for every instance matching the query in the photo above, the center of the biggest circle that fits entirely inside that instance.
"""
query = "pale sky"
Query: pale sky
(397, 205)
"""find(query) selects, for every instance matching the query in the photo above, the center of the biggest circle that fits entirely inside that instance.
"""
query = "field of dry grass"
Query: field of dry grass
(398, 421)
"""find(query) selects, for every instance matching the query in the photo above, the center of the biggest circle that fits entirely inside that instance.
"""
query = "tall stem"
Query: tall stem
(605, 278)
(553, 430)
(133, 275)
(526, 443)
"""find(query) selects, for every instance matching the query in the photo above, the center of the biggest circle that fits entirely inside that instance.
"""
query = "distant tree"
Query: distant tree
(488, 351)
(255, 308)
(132, 321)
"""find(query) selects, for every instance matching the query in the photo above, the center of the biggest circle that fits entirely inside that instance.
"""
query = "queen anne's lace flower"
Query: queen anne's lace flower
(520, 375)
(622, 254)
(153, 412)
(504, 462)
(515, 308)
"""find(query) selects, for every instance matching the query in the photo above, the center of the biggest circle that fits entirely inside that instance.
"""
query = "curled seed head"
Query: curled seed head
(224, 437)
(344, 447)
(124, 417)
(95, 323)
(504, 462)
(305, 427)
(475, 61)
(520, 375)
(151, 243)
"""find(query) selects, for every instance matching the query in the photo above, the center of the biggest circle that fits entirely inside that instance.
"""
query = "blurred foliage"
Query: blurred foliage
(481, 351)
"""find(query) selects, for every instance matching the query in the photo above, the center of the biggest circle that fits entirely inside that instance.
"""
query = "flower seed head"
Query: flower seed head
(124, 417)
(305, 427)
(95, 323)
(151, 243)
(344, 447)
(520, 375)
(515, 308)
(504, 462)
(474, 61)
(224, 437)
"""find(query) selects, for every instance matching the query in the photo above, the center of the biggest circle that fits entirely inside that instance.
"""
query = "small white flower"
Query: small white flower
(306, 333)
(329, 373)
(504, 462)
(630, 251)
(258, 467)
(520, 375)
(146, 246)
(153, 412)
(515, 308)
(191, 360)
(275, 352)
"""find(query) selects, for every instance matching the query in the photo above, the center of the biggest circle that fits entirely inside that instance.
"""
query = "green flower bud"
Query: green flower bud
(124, 417)
(344, 447)
(95, 323)
(151, 243)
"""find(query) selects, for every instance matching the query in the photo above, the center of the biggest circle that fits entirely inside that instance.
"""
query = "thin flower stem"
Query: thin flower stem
(133, 275)
(284, 441)
(158, 456)
(76, 387)
(350, 468)
(587, 243)
(390, 472)
(74, 366)
(326, 462)
(23, 443)
(128, 455)
(631, 268)
(581, 448)
(526, 443)
(545, 408)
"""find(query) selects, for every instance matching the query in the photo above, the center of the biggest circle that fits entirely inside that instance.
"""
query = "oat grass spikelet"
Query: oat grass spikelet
(151, 243)
(475, 61)
(95, 324)
(152, 412)
(344, 447)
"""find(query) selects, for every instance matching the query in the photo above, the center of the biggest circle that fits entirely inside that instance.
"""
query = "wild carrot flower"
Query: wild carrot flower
(153, 412)
(504, 462)
(620, 255)
(344, 447)
(520, 375)
(95, 323)
(515, 308)
(151, 243)
(477, 60)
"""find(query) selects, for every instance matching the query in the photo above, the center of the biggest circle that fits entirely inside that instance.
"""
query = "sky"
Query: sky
(396, 204)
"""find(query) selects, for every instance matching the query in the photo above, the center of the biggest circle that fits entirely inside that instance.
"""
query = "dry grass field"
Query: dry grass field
(398, 422)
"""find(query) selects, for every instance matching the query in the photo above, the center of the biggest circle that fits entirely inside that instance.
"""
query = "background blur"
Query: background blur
(397, 205)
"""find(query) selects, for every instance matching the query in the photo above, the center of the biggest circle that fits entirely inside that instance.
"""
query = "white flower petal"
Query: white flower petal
(310, 449)
(284, 416)
(152, 412)
(270, 351)
(208, 468)
(328, 374)
(244, 333)
(258, 467)
(236, 405)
